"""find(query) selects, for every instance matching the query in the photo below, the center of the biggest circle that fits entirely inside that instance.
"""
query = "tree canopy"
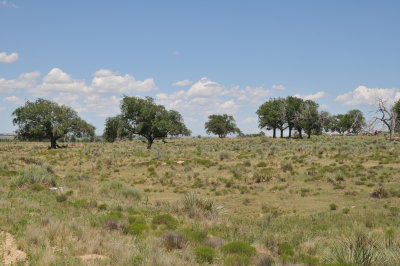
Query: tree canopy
(47, 120)
(221, 125)
(143, 117)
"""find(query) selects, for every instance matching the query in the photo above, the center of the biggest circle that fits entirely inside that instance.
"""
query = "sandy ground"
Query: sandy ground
(9, 252)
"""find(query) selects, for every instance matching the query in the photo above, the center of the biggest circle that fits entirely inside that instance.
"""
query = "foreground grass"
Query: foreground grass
(324, 201)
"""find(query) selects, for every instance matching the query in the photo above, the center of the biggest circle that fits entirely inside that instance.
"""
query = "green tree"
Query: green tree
(308, 118)
(292, 109)
(47, 120)
(221, 125)
(356, 121)
(271, 115)
(143, 117)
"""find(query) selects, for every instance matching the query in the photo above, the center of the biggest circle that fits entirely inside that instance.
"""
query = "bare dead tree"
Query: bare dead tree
(388, 116)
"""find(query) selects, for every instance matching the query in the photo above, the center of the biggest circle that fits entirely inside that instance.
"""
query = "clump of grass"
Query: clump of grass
(121, 188)
(333, 206)
(174, 240)
(205, 254)
(239, 247)
(35, 175)
(165, 219)
(195, 206)
(380, 193)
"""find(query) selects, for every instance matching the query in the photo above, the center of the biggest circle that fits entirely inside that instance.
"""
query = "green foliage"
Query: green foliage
(165, 219)
(35, 175)
(44, 119)
(239, 247)
(143, 117)
(136, 228)
(61, 198)
(194, 235)
(221, 125)
(204, 254)
(333, 206)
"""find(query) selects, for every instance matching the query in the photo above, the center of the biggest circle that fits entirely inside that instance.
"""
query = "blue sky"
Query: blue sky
(198, 57)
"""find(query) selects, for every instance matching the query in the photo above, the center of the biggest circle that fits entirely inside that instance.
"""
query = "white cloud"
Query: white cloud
(229, 107)
(278, 87)
(2, 108)
(206, 87)
(250, 120)
(13, 99)
(106, 81)
(182, 83)
(249, 94)
(11, 58)
(368, 96)
(8, 4)
(24, 81)
(314, 96)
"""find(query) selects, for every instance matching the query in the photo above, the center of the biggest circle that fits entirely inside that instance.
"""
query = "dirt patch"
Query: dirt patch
(9, 252)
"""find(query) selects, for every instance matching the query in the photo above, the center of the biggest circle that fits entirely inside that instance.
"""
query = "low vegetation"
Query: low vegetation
(329, 200)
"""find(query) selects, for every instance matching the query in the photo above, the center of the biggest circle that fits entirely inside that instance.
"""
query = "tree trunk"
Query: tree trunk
(149, 143)
(281, 133)
(290, 132)
(274, 133)
(393, 125)
(300, 133)
(309, 135)
(53, 143)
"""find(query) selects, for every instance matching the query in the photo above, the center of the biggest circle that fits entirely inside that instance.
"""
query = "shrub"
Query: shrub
(61, 198)
(286, 167)
(346, 210)
(285, 251)
(264, 260)
(380, 193)
(120, 188)
(333, 206)
(238, 247)
(237, 260)
(204, 254)
(196, 206)
(174, 240)
(136, 228)
(261, 164)
(35, 175)
(165, 219)
(194, 235)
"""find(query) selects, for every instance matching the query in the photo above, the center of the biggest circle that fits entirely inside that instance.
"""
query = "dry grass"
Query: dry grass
(268, 193)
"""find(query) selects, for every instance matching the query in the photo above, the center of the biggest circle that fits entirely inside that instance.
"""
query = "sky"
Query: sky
(198, 57)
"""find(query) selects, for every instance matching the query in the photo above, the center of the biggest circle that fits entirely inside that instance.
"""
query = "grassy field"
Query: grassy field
(242, 201)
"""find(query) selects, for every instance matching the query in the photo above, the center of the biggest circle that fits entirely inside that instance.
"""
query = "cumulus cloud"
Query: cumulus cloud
(205, 88)
(249, 94)
(106, 81)
(11, 58)
(13, 99)
(314, 96)
(367, 96)
(278, 87)
(182, 83)
(24, 81)
(229, 107)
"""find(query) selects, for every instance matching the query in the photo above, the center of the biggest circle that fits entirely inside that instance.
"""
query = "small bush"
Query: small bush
(333, 206)
(35, 175)
(346, 210)
(194, 235)
(204, 254)
(61, 198)
(174, 240)
(165, 219)
(380, 193)
(238, 247)
(120, 188)
(261, 164)
(237, 260)
(136, 228)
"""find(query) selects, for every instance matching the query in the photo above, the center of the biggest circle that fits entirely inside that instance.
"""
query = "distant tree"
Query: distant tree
(47, 120)
(356, 120)
(292, 110)
(341, 123)
(388, 115)
(112, 128)
(326, 121)
(221, 125)
(308, 118)
(271, 115)
(145, 118)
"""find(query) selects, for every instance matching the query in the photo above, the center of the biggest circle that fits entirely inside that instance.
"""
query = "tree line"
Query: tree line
(47, 120)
